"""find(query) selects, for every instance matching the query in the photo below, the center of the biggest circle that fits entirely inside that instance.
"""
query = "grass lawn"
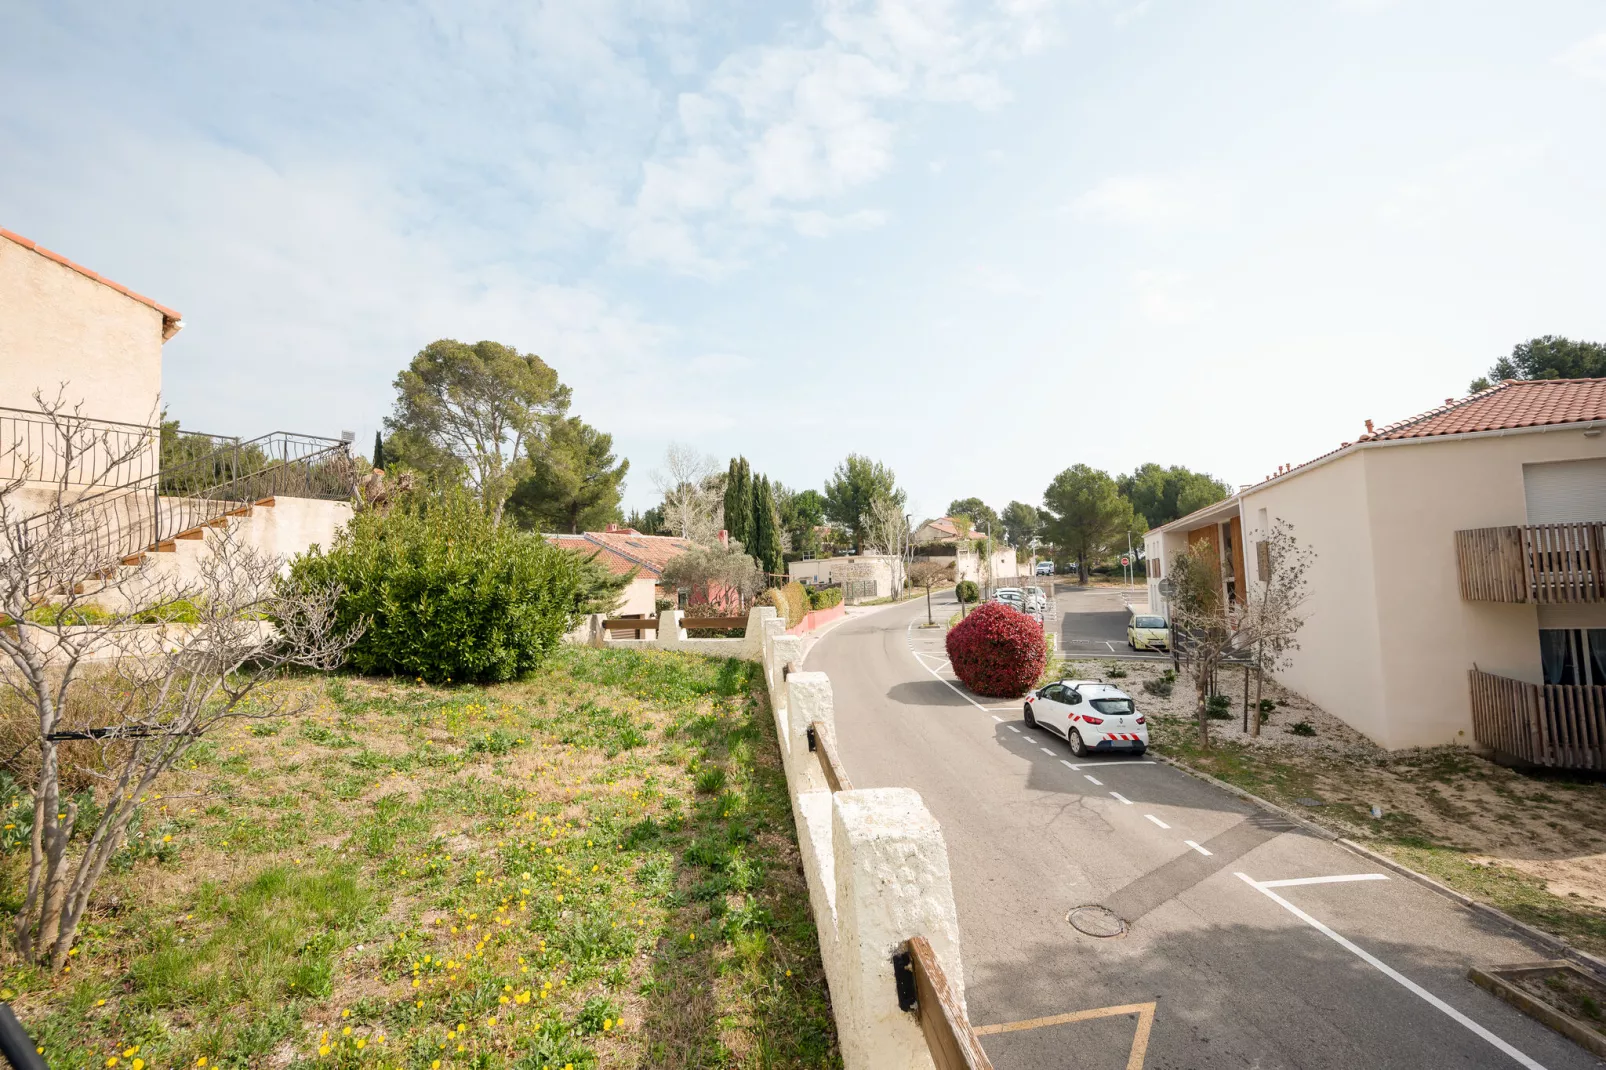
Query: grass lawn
(593, 867)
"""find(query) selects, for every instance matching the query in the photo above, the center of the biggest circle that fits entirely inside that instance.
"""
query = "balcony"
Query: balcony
(1547, 564)
(1558, 725)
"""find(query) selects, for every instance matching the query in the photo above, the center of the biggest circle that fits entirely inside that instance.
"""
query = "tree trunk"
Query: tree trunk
(1260, 677)
(929, 618)
(1201, 689)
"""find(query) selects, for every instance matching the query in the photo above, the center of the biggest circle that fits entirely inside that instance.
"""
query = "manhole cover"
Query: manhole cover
(1096, 921)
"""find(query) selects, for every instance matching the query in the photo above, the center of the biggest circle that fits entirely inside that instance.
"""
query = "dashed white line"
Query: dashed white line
(1121, 797)
(1045, 750)
(1000, 720)
(1392, 974)
(1068, 765)
(1196, 847)
(1012, 728)
(1094, 779)
(1341, 879)
(1157, 821)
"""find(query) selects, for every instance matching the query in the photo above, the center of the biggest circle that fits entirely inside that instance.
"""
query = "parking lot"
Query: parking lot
(1092, 620)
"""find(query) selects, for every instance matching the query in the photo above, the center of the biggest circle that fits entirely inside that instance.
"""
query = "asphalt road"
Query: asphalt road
(1214, 971)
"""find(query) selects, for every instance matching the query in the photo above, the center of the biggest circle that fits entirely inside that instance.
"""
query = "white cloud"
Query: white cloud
(1587, 58)
(1148, 201)
(1169, 297)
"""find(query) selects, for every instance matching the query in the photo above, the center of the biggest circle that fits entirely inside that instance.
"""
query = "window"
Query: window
(1113, 706)
(1154, 568)
(1573, 656)
(1149, 622)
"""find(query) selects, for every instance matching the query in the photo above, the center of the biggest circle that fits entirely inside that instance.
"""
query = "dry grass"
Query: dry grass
(593, 867)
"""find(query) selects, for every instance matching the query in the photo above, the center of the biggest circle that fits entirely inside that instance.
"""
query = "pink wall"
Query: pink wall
(815, 618)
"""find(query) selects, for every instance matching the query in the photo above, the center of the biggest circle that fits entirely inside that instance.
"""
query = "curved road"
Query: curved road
(1218, 969)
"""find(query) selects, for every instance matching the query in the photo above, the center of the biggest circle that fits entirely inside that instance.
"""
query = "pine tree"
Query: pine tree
(379, 451)
(766, 546)
(739, 501)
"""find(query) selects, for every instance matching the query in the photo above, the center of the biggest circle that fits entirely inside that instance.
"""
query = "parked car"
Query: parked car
(1093, 717)
(1148, 631)
(1036, 601)
(1045, 568)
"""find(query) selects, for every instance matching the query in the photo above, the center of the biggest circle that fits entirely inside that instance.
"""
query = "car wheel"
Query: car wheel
(1139, 751)
(1078, 748)
(1130, 645)
(1031, 721)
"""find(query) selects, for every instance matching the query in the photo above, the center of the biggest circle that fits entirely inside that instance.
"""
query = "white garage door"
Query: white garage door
(1564, 492)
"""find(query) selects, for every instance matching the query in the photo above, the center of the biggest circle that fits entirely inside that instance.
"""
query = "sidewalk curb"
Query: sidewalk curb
(1582, 958)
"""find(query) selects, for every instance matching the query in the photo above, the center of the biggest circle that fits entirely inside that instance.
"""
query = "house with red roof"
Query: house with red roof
(626, 551)
(1458, 591)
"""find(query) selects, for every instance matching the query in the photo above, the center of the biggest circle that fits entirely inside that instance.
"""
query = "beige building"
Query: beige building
(1457, 593)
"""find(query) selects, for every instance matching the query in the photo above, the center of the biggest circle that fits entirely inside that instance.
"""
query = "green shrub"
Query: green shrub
(967, 591)
(797, 603)
(1267, 705)
(446, 594)
(1302, 728)
(775, 599)
(1163, 686)
(1219, 708)
(825, 597)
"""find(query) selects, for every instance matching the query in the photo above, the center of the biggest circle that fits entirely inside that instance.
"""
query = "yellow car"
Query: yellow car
(1147, 631)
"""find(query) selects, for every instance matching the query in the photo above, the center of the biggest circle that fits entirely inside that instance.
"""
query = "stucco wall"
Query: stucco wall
(1420, 495)
(59, 325)
(1338, 665)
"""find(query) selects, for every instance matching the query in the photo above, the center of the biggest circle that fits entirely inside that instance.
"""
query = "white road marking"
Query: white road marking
(1391, 973)
(1000, 707)
(1110, 645)
(1068, 765)
(1094, 779)
(1105, 765)
(1012, 728)
(1123, 798)
(1296, 881)
(1000, 720)
(1196, 847)
(1157, 821)
(1046, 751)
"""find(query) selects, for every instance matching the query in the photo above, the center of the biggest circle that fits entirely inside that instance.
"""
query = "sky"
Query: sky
(979, 242)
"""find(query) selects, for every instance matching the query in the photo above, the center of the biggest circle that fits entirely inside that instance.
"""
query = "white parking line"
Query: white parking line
(1094, 779)
(1296, 881)
(1157, 821)
(1012, 728)
(1123, 798)
(1046, 751)
(1196, 847)
(1105, 765)
(1000, 720)
(1391, 973)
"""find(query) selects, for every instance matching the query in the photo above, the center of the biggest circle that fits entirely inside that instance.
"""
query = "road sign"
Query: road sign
(1125, 561)
(1166, 588)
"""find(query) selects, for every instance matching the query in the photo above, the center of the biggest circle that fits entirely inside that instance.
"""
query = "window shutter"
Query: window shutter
(1263, 561)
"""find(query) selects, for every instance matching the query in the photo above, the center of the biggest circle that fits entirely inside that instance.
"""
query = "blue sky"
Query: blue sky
(979, 242)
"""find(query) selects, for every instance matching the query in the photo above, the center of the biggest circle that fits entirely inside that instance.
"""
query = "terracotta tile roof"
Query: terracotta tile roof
(946, 524)
(171, 316)
(614, 563)
(1511, 404)
(651, 552)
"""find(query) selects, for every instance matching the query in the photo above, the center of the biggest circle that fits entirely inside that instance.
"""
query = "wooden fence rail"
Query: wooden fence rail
(1559, 725)
(1549, 564)
(633, 624)
(820, 743)
(924, 989)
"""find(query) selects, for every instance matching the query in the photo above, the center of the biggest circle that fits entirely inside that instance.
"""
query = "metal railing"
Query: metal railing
(78, 451)
(1558, 725)
(1548, 564)
(117, 525)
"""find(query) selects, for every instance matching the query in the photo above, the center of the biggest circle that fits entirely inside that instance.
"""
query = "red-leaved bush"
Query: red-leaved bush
(997, 651)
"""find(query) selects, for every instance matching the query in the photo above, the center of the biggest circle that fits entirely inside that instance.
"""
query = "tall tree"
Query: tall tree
(766, 533)
(481, 404)
(802, 512)
(980, 513)
(739, 490)
(575, 482)
(1020, 524)
(650, 522)
(379, 451)
(1161, 495)
(1547, 357)
(1087, 515)
(689, 482)
(857, 482)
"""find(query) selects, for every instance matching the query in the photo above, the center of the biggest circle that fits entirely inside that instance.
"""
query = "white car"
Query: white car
(1045, 568)
(1035, 602)
(1090, 715)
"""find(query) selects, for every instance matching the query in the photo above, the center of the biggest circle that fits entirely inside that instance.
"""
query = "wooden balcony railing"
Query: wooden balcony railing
(1550, 564)
(1559, 725)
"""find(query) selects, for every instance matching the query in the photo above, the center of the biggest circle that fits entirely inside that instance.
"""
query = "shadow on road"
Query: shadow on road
(929, 692)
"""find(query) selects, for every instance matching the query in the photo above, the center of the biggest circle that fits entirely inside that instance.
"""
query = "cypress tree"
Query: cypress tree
(739, 502)
(379, 451)
(767, 528)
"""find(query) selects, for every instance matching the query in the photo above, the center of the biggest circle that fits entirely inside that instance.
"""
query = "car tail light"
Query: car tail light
(1140, 718)
(1092, 720)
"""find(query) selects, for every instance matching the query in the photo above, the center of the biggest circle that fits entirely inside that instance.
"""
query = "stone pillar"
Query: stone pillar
(808, 699)
(892, 882)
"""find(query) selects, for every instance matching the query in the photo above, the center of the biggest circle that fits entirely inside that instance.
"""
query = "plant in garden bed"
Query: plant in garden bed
(997, 651)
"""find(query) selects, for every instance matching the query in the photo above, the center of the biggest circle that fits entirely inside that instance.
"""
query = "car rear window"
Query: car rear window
(1149, 622)
(1112, 705)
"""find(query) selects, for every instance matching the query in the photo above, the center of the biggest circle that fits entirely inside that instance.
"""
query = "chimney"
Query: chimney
(725, 538)
(613, 527)
(1368, 427)
(1449, 401)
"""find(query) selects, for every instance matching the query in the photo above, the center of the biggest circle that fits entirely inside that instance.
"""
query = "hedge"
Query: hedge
(825, 597)
(997, 651)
